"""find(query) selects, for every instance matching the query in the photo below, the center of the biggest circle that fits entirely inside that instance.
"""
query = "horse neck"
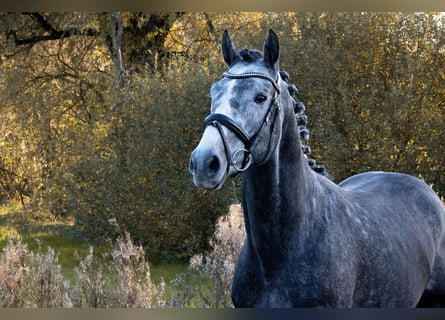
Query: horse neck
(275, 195)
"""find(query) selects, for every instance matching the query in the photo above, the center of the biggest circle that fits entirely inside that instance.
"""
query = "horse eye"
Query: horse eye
(260, 98)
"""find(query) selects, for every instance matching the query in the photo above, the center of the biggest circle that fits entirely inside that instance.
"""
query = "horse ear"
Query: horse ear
(230, 55)
(271, 50)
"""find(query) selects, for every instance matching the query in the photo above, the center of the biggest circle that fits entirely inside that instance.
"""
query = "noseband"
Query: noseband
(218, 120)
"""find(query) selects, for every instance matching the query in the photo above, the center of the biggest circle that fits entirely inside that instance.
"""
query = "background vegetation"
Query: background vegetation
(121, 276)
(99, 112)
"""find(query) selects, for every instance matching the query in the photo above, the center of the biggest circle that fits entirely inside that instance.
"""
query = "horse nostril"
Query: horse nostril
(214, 164)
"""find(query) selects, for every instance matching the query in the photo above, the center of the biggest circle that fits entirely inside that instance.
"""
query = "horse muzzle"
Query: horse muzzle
(208, 162)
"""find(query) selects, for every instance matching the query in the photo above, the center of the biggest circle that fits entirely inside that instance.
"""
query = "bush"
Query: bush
(30, 279)
(133, 167)
(216, 269)
(121, 279)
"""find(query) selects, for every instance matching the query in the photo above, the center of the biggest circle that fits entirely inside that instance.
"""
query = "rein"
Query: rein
(218, 120)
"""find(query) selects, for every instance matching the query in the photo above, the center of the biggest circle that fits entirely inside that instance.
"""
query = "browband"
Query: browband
(252, 75)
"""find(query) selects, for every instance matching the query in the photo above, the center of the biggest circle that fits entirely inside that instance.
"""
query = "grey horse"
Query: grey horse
(376, 239)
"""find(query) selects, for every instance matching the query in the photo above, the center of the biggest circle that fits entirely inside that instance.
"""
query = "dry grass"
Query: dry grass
(30, 279)
(120, 278)
(216, 268)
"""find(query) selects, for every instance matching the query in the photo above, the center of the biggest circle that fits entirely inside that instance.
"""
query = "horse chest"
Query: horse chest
(308, 279)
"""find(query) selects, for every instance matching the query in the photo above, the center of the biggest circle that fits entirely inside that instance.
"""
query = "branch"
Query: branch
(41, 21)
(54, 34)
(210, 26)
(116, 35)
(9, 172)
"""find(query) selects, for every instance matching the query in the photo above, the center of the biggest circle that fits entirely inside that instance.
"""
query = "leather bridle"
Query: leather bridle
(218, 120)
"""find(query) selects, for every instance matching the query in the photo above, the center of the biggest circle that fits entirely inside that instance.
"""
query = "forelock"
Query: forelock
(250, 56)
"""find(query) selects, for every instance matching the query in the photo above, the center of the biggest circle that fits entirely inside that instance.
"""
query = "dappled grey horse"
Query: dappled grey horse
(374, 240)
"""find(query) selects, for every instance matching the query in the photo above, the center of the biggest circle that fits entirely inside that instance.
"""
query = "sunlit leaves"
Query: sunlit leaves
(373, 85)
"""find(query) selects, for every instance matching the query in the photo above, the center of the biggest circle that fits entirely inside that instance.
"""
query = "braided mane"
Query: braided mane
(302, 122)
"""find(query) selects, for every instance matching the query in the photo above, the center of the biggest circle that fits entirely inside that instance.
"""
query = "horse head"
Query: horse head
(244, 126)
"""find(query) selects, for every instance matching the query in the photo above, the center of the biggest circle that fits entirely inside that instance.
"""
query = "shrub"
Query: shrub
(30, 279)
(216, 269)
(132, 166)
(120, 279)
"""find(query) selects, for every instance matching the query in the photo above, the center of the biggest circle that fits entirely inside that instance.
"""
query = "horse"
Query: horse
(377, 239)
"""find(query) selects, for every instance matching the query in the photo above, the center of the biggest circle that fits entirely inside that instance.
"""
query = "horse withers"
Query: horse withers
(375, 240)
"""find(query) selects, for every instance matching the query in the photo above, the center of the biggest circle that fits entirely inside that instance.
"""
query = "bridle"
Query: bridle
(218, 120)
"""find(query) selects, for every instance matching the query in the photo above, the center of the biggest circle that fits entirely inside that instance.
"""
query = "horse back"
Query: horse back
(402, 200)
(398, 191)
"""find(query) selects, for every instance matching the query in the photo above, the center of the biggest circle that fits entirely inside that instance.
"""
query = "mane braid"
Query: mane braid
(299, 109)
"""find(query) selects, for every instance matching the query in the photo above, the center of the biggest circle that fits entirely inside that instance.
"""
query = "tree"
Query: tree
(373, 103)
